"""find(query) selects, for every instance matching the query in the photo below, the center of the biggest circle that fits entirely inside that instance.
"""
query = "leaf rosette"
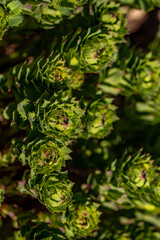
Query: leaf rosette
(97, 52)
(54, 72)
(111, 15)
(100, 117)
(89, 50)
(83, 219)
(135, 172)
(46, 155)
(43, 73)
(46, 15)
(54, 191)
(59, 116)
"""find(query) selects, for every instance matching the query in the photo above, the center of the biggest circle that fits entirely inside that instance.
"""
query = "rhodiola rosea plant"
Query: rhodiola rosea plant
(79, 123)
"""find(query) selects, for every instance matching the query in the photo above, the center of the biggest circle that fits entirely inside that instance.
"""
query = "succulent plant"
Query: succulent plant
(100, 117)
(135, 172)
(96, 53)
(54, 191)
(83, 219)
(45, 155)
(59, 116)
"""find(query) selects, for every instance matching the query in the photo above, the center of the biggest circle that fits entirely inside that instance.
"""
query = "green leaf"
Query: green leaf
(14, 21)
(9, 110)
(23, 108)
(15, 7)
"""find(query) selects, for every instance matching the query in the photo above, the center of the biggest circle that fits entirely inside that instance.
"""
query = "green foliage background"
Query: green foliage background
(79, 123)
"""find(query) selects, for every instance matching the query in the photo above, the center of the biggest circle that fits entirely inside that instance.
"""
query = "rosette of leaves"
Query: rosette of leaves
(42, 74)
(147, 75)
(135, 74)
(89, 50)
(10, 15)
(44, 14)
(135, 172)
(97, 52)
(141, 75)
(50, 73)
(54, 73)
(100, 116)
(83, 219)
(111, 15)
(45, 155)
(59, 116)
(53, 190)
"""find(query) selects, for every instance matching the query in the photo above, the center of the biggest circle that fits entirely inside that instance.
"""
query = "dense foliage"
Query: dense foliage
(79, 123)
